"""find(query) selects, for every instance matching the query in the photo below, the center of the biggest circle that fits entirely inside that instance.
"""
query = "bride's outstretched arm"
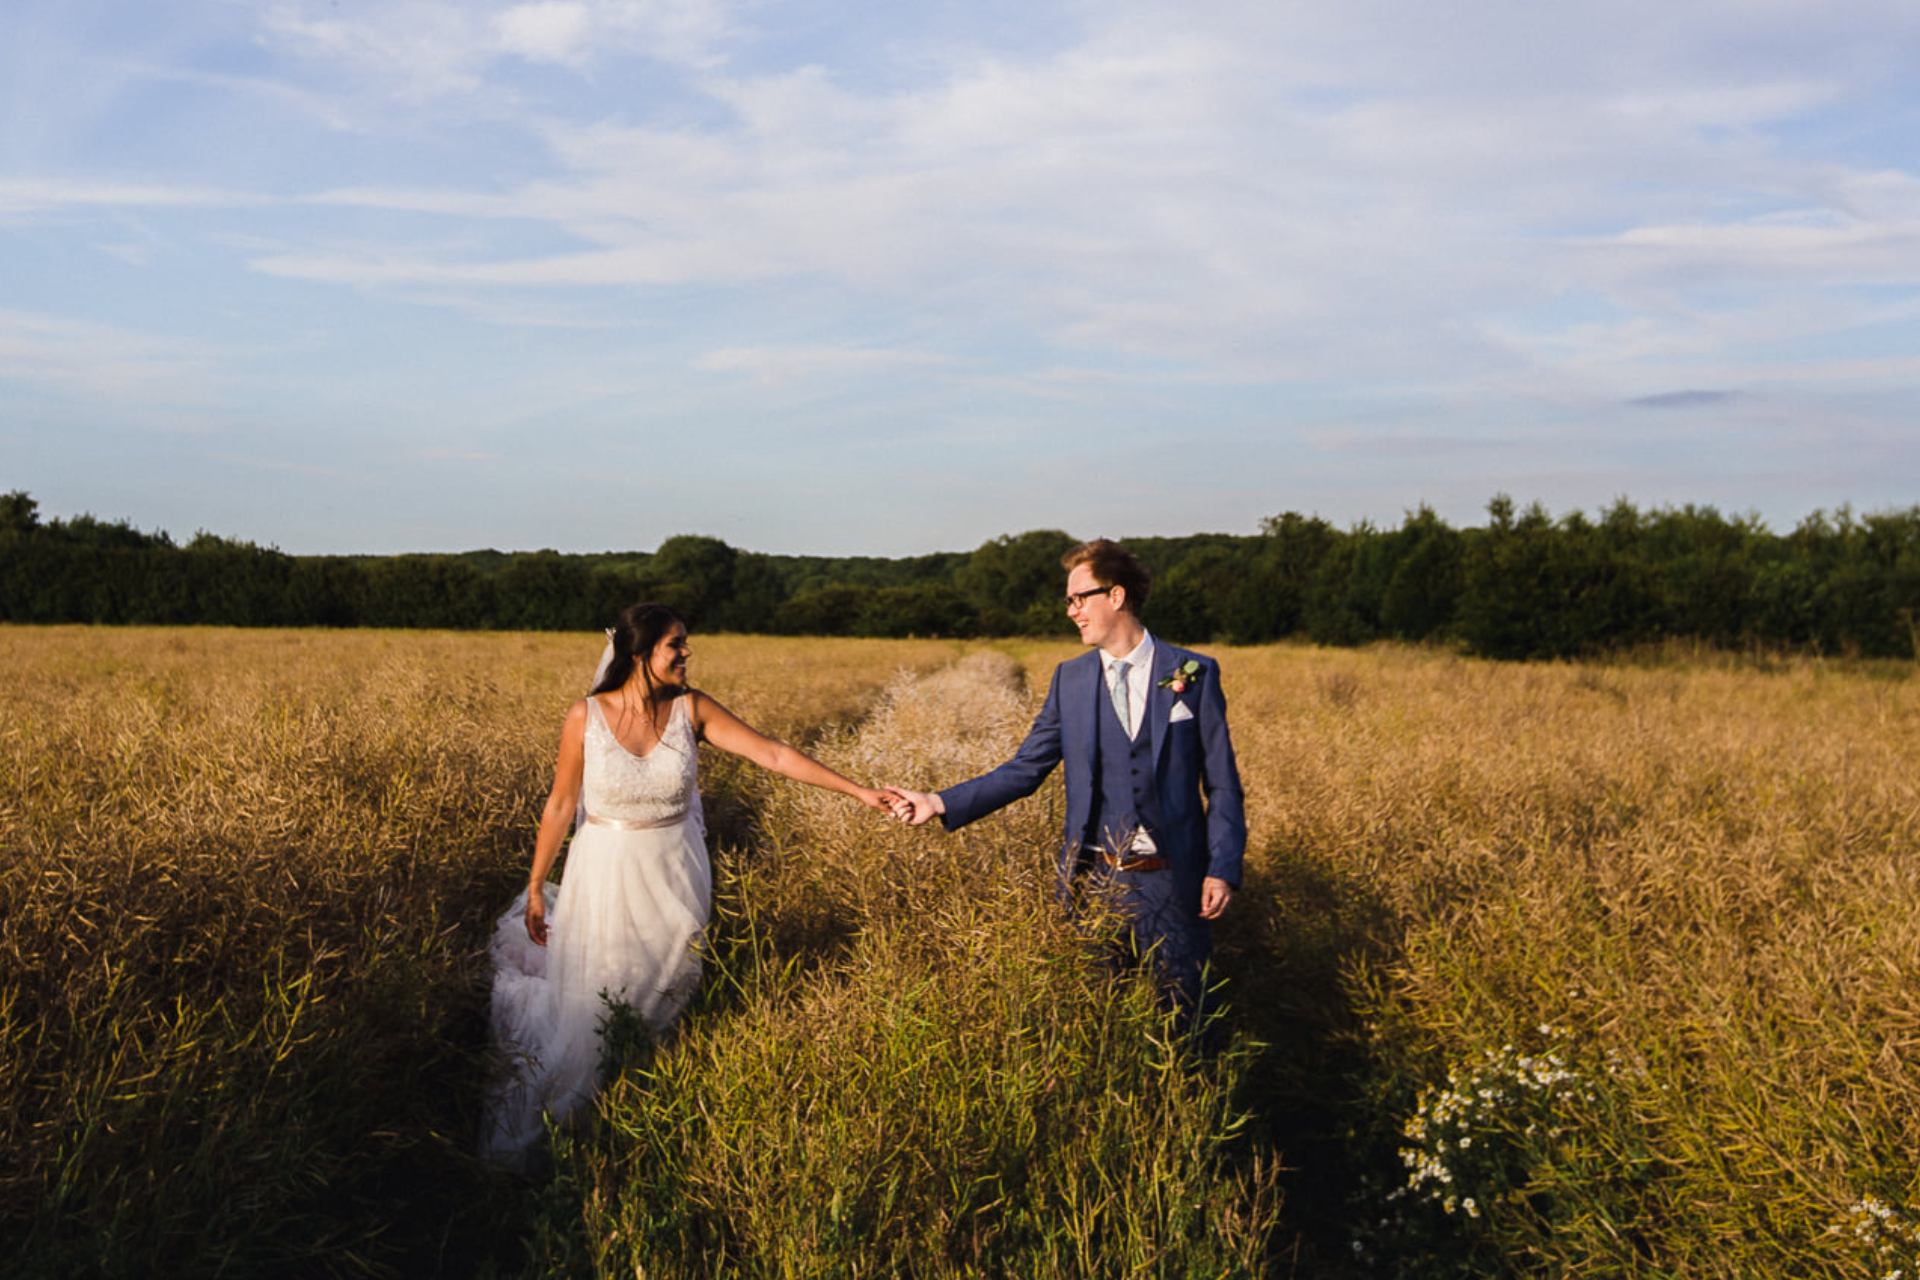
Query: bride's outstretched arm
(732, 734)
(556, 817)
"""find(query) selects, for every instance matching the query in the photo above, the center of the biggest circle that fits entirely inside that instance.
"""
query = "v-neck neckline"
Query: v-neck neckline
(660, 735)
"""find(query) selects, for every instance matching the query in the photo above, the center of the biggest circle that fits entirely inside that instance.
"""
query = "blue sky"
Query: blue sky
(418, 275)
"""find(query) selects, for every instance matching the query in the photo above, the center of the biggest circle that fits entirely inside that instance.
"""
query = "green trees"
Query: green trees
(833, 609)
(19, 515)
(440, 592)
(1531, 587)
(924, 609)
(1523, 585)
(1013, 583)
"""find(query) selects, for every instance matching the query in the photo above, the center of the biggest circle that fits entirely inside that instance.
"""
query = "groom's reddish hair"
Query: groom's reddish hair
(1112, 565)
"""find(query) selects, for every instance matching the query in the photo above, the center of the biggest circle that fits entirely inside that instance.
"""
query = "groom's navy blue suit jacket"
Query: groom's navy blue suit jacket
(1203, 829)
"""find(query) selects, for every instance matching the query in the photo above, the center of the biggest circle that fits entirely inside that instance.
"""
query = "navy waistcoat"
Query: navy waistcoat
(1127, 797)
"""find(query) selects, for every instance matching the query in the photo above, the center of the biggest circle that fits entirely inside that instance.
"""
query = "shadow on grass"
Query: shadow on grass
(808, 930)
(1291, 952)
(350, 1153)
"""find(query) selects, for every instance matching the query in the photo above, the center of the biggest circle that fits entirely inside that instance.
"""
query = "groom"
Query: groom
(1154, 812)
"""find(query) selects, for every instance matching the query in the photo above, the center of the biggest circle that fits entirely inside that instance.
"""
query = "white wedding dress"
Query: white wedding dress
(625, 921)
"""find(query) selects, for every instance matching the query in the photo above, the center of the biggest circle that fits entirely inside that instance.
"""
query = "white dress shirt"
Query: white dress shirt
(1139, 682)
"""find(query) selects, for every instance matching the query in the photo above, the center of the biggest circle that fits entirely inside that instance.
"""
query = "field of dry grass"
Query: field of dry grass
(1656, 923)
(242, 913)
(1542, 970)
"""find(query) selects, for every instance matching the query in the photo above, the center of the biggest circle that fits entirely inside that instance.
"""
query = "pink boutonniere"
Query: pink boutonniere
(1183, 675)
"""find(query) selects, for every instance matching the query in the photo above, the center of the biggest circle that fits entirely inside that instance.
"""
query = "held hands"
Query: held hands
(889, 800)
(915, 808)
(876, 798)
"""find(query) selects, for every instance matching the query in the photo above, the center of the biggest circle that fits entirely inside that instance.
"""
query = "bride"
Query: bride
(627, 920)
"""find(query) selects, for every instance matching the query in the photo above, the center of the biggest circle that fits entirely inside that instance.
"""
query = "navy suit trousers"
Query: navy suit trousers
(1159, 926)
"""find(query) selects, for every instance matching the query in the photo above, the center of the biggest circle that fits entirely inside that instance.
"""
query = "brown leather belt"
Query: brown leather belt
(1133, 861)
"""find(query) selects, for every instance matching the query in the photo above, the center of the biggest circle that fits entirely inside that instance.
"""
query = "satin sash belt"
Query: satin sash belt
(627, 824)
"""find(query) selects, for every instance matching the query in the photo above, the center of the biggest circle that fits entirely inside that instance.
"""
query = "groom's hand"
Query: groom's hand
(916, 808)
(1215, 894)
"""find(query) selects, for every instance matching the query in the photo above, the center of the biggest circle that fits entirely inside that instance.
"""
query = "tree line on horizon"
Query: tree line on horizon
(1523, 585)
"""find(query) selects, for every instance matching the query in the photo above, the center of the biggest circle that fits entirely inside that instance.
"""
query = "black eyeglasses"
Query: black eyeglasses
(1077, 598)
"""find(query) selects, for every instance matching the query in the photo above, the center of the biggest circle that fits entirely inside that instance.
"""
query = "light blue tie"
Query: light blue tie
(1122, 705)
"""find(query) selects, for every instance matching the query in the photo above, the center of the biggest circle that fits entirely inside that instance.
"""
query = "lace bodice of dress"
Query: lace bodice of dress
(655, 788)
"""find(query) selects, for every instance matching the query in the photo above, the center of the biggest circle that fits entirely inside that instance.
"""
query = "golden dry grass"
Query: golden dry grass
(249, 875)
(1706, 876)
(909, 1063)
(242, 911)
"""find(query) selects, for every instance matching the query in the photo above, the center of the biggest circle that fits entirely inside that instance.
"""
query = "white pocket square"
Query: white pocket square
(1181, 711)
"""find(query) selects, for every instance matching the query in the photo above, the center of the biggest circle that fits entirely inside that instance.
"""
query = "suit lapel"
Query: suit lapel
(1159, 696)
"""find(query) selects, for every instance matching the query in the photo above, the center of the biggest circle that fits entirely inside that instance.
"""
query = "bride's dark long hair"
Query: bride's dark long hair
(635, 635)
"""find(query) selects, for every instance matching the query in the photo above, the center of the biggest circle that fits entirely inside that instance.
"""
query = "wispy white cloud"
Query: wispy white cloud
(445, 454)
(420, 50)
(285, 466)
(549, 31)
(154, 377)
(1836, 249)
(30, 197)
(775, 366)
(414, 49)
